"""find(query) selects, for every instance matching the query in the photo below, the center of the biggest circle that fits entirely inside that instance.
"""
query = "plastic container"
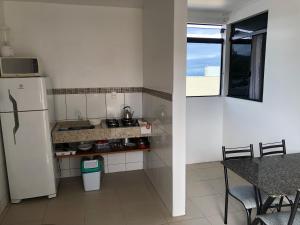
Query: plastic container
(91, 173)
(102, 145)
(91, 181)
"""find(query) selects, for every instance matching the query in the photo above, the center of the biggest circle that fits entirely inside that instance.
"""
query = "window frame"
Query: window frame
(210, 41)
(231, 39)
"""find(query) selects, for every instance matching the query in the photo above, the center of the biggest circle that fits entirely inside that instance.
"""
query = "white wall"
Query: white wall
(178, 108)
(3, 177)
(206, 17)
(164, 66)
(277, 117)
(204, 115)
(80, 46)
(158, 45)
(158, 75)
(204, 129)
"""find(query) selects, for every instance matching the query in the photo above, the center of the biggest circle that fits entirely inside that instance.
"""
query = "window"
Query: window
(204, 60)
(247, 60)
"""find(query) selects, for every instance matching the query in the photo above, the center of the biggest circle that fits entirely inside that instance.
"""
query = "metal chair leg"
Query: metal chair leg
(248, 216)
(257, 221)
(280, 204)
(226, 208)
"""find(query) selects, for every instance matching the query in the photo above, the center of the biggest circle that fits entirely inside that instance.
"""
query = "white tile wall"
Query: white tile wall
(134, 166)
(116, 168)
(96, 106)
(64, 163)
(158, 162)
(70, 167)
(76, 106)
(134, 100)
(60, 107)
(105, 163)
(132, 157)
(65, 173)
(116, 159)
(102, 106)
(114, 104)
(75, 172)
(75, 163)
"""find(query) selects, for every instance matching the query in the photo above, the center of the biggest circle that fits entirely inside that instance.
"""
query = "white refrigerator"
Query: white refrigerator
(26, 131)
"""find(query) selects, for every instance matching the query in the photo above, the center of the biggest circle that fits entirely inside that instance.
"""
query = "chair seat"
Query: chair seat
(279, 218)
(245, 194)
(276, 201)
(264, 198)
(291, 197)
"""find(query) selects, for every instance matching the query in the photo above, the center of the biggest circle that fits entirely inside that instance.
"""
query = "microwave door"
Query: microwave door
(14, 66)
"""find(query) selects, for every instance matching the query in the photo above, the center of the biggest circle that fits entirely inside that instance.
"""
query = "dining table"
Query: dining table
(276, 176)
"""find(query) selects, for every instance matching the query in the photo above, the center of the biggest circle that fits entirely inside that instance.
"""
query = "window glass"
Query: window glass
(203, 69)
(204, 60)
(247, 61)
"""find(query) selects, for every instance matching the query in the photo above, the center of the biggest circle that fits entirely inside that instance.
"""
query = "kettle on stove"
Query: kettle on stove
(127, 113)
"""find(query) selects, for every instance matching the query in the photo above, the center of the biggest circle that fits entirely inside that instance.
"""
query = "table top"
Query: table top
(275, 175)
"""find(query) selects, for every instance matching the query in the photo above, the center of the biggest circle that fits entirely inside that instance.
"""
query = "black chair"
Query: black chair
(271, 149)
(245, 194)
(276, 148)
(281, 218)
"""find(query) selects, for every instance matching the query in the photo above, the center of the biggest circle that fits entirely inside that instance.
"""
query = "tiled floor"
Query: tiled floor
(129, 199)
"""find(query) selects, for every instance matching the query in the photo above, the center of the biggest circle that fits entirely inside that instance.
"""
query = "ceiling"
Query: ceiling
(216, 5)
(209, 5)
(116, 3)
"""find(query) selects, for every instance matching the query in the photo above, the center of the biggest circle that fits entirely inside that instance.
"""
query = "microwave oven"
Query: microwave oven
(19, 66)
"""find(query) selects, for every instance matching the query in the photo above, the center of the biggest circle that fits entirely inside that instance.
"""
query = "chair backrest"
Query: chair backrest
(236, 153)
(294, 209)
(276, 148)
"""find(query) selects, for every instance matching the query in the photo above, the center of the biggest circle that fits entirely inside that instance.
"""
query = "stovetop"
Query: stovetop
(113, 123)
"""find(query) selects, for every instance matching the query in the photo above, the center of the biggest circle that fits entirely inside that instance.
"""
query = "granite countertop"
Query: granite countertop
(100, 132)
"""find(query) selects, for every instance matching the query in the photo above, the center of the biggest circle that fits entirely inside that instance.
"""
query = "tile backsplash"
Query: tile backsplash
(102, 103)
(96, 105)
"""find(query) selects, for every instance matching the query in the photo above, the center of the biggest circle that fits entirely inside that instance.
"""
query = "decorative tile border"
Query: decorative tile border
(73, 91)
(159, 94)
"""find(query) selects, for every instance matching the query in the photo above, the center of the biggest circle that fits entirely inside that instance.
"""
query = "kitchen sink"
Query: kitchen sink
(71, 128)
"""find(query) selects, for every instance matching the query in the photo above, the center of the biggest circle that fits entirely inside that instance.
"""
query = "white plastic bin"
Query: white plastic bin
(91, 181)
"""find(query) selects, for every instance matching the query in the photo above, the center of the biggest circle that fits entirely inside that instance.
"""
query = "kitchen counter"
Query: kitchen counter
(100, 132)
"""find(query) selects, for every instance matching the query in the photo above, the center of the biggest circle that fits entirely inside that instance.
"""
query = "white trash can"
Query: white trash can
(91, 181)
(91, 174)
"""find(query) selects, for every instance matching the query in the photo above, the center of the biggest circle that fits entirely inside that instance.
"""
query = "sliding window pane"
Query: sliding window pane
(203, 69)
(240, 73)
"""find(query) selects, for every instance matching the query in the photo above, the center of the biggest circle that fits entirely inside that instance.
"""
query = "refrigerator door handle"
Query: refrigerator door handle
(16, 116)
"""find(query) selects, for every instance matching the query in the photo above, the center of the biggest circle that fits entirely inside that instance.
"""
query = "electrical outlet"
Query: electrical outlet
(114, 95)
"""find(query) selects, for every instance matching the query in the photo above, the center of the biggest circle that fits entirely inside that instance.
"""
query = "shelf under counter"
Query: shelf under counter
(92, 153)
